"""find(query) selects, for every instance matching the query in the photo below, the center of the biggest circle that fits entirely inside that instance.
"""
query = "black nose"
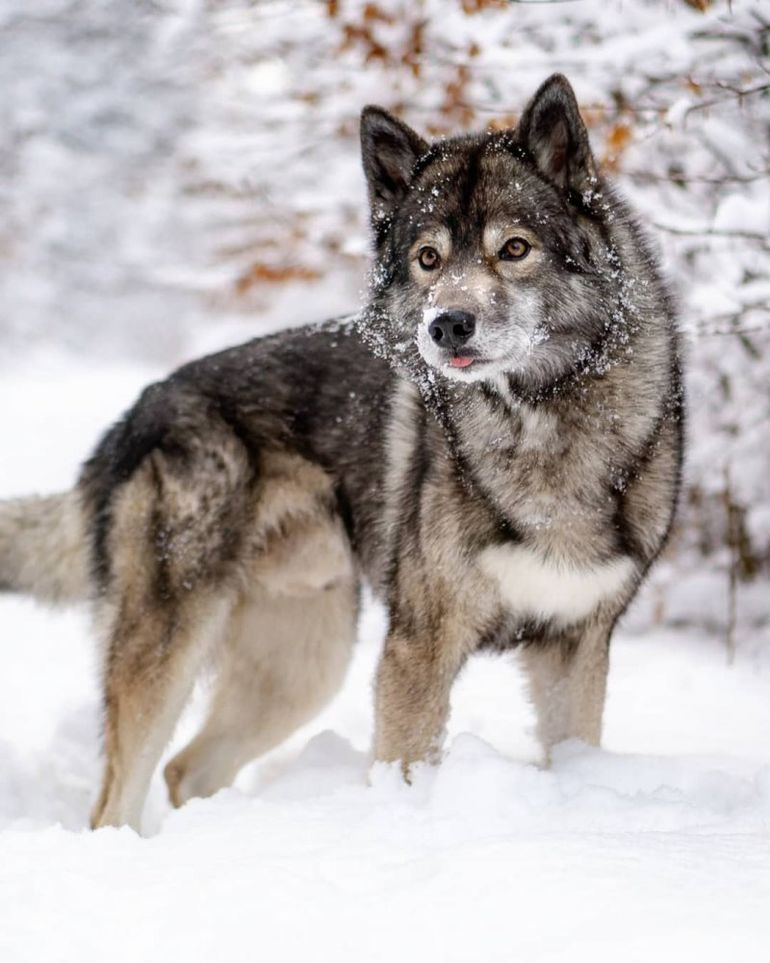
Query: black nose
(452, 329)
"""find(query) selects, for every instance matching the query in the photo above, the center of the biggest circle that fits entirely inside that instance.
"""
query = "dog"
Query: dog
(493, 443)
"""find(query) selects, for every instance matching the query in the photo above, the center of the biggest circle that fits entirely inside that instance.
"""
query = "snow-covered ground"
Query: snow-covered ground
(655, 848)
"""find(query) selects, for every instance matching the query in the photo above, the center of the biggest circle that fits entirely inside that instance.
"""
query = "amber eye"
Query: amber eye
(428, 258)
(514, 249)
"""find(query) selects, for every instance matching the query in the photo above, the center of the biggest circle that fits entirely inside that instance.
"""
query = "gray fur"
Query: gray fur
(43, 548)
(510, 489)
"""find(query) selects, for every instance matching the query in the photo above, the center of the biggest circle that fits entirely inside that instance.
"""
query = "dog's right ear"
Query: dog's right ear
(389, 150)
(553, 131)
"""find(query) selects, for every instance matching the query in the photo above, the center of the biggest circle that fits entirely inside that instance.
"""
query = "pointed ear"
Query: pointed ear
(389, 150)
(553, 132)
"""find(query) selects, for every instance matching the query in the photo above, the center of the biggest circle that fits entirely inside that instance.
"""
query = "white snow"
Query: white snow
(655, 847)
(741, 212)
(430, 314)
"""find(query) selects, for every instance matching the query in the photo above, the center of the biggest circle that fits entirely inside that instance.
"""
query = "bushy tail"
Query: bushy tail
(43, 549)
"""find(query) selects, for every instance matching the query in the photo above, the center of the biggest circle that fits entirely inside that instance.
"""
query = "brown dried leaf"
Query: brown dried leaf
(263, 273)
(476, 6)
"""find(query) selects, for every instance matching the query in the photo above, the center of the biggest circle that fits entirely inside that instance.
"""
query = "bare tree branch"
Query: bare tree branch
(756, 237)
(733, 322)
(647, 177)
(736, 93)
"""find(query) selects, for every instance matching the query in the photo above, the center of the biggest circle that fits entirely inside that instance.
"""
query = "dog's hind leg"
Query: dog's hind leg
(285, 657)
(153, 662)
(172, 547)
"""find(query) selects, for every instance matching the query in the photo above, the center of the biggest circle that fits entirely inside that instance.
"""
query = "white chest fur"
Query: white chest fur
(540, 588)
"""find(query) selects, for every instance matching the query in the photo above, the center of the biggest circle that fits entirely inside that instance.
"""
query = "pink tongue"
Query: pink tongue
(460, 362)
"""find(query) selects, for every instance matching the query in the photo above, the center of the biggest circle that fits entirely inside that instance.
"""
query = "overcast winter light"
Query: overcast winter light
(179, 177)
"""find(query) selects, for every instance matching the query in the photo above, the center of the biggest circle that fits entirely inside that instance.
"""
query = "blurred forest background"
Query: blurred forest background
(176, 175)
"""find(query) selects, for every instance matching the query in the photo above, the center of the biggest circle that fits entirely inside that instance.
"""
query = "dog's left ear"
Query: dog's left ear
(553, 132)
(389, 150)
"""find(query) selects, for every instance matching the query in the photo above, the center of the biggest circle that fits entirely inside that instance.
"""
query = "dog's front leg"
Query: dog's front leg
(414, 681)
(568, 683)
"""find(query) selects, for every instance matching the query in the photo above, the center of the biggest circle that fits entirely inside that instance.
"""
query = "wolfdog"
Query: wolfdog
(493, 443)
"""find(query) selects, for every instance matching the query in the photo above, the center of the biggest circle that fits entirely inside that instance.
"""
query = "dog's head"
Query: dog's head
(492, 255)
